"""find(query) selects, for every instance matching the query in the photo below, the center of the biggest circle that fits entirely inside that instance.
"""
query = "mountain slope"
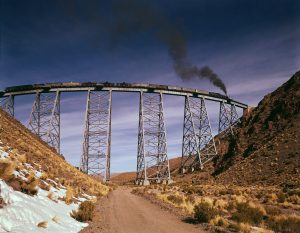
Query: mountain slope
(266, 146)
(38, 188)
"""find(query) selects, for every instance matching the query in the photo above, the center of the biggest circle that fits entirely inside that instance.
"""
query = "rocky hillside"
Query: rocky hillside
(266, 145)
(38, 188)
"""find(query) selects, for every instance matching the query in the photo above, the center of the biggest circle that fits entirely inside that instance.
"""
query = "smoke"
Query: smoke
(133, 16)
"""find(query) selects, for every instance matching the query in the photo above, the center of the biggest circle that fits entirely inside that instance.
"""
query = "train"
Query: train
(99, 86)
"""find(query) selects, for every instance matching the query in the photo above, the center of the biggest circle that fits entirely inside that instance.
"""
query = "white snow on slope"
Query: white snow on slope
(23, 212)
(3, 154)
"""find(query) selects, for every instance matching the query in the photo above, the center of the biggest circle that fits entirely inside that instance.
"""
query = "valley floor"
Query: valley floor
(125, 212)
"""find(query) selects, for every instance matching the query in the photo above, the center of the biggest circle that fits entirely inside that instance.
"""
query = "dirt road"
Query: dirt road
(124, 212)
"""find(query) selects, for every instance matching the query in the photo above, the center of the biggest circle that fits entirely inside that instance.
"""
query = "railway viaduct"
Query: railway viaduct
(198, 146)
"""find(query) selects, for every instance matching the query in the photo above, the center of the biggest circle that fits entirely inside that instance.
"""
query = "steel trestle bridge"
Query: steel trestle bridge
(198, 145)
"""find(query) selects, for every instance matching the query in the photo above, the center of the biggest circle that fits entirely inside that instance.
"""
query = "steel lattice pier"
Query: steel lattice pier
(95, 158)
(7, 104)
(152, 158)
(45, 118)
(198, 146)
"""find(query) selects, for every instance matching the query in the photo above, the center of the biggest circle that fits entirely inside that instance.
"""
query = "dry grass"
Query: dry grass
(248, 212)
(241, 227)
(43, 224)
(55, 219)
(176, 199)
(69, 195)
(205, 212)
(285, 223)
(26, 146)
(85, 211)
(7, 168)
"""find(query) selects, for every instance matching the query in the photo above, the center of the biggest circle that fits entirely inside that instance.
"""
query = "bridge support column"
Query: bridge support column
(45, 118)
(206, 140)
(8, 104)
(191, 159)
(95, 159)
(198, 146)
(152, 158)
(227, 118)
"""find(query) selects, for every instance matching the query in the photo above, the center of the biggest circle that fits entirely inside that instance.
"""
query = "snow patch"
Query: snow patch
(23, 212)
(3, 154)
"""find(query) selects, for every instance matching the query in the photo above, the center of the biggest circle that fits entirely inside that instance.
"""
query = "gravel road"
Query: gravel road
(124, 212)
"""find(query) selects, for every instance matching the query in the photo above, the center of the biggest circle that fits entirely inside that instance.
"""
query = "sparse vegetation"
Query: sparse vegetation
(204, 212)
(176, 199)
(43, 224)
(248, 212)
(69, 195)
(284, 223)
(85, 211)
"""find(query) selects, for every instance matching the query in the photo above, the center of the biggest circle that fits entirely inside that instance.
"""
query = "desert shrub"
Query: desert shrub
(31, 186)
(273, 210)
(241, 227)
(42, 224)
(295, 199)
(221, 204)
(190, 199)
(281, 197)
(55, 219)
(45, 186)
(175, 199)
(247, 212)
(85, 211)
(6, 169)
(69, 195)
(2, 203)
(219, 221)
(204, 212)
(284, 224)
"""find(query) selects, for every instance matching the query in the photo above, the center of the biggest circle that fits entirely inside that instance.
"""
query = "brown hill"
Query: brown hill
(266, 146)
(26, 149)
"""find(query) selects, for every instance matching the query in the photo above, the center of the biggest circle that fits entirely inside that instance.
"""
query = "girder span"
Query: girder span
(152, 158)
(45, 118)
(95, 159)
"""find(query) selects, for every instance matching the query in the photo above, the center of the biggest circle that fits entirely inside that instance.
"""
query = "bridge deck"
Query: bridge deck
(118, 87)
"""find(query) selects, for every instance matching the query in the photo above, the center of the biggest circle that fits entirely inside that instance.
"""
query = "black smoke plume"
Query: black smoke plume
(133, 16)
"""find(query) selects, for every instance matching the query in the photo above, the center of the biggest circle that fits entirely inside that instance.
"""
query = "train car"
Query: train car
(174, 88)
(218, 95)
(38, 86)
(139, 85)
(71, 84)
(202, 92)
(124, 84)
(19, 88)
(157, 86)
(187, 89)
(108, 84)
(89, 84)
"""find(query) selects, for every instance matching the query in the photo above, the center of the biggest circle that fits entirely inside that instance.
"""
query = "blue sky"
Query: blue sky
(253, 46)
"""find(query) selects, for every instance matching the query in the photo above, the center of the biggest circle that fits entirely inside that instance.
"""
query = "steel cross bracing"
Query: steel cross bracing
(152, 158)
(191, 159)
(198, 145)
(45, 118)
(228, 117)
(7, 104)
(95, 158)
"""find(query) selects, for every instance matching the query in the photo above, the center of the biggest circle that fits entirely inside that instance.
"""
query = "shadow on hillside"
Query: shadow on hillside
(190, 220)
